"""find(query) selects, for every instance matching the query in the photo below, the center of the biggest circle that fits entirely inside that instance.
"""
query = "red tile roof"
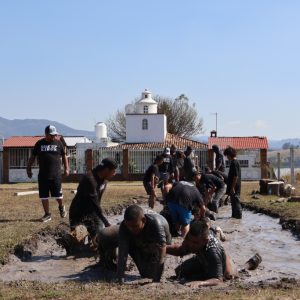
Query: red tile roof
(239, 143)
(22, 141)
(179, 142)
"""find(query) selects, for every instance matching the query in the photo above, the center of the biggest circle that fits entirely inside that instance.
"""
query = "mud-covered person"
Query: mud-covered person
(151, 179)
(144, 237)
(234, 182)
(213, 188)
(180, 201)
(50, 153)
(210, 265)
(189, 165)
(86, 208)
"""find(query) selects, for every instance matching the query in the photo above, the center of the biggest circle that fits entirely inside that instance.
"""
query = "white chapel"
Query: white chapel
(143, 123)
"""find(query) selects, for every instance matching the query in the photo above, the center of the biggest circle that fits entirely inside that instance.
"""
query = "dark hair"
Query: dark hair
(189, 148)
(133, 212)
(229, 151)
(158, 158)
(199, 228)
(106, 163)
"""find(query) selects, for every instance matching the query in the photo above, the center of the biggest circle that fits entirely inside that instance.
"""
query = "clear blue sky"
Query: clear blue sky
(77, 62)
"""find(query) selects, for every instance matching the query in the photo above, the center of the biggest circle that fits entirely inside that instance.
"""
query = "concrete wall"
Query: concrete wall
(156, 132)
(20, 175)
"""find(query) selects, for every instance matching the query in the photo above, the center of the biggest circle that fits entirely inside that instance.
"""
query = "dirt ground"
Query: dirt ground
(44, 271)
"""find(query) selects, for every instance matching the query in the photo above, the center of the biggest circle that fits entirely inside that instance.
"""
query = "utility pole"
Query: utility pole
(216, 114)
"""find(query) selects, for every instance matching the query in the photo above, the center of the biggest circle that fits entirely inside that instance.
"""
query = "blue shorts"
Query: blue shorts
(179, 214)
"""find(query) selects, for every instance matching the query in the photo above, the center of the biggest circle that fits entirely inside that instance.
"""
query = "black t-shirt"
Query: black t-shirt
(167, 165)
(220, 165)
(189, 168)
(49, 157)
(153, 169)
(221, 175)
(234, 170)
(211, 181)
(87, 200)
(185, 194)
(213, 259)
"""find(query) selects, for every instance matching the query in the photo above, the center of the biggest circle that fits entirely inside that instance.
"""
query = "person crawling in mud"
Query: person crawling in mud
(86, 208)
(151, 179)
(181, 199)
(144, 237)
(210, 265)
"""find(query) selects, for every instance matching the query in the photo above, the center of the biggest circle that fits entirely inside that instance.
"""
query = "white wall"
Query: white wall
(156, 133)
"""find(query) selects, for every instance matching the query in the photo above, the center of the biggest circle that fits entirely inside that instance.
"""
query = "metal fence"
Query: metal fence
(100, 153)
(18, 158)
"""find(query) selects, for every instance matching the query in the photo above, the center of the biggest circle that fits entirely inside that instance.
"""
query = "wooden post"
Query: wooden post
(278, 165)
(88, 160)
(263, 163)
(292, 151)
(5, 165)
(125, 164)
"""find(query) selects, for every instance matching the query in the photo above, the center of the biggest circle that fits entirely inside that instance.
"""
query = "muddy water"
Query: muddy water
(280, 252)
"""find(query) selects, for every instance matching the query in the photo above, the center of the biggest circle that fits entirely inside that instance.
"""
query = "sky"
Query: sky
(78, 62)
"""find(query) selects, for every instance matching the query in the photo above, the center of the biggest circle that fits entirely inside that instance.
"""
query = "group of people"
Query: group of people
(188, 195)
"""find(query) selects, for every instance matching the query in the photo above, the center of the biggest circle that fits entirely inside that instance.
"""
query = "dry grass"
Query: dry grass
(19, 221)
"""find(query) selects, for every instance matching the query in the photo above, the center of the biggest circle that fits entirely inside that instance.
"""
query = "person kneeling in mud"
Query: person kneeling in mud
(144, 237)
(210, 265)
(86, 208)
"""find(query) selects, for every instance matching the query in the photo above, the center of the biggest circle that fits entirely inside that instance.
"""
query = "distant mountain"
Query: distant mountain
(30, 127)
(277, 144)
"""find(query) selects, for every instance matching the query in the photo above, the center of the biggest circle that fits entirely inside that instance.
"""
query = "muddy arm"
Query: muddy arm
(160, 265)
(209, 282)
(176, 250)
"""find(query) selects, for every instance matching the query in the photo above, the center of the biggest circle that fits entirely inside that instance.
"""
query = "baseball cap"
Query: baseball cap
(50, 129)
(167, 150)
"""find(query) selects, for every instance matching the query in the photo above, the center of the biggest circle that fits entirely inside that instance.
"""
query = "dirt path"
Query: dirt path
(279, 249)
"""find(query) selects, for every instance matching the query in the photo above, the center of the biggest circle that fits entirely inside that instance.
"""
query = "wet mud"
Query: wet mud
(42, 258)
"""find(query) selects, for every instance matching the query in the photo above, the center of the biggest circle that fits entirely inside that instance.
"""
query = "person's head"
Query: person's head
(196, 176)
(197, 236)
(230, 153)
(207, 169)
(50, 132)
(215, 148)
(134, 219)
(196, 213)
(167, 151)
(106, 169)
(159, 159)
(173, 149)
(189, 150)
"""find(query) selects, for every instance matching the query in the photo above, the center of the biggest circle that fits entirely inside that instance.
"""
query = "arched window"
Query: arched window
(145, 124)
(146, 108)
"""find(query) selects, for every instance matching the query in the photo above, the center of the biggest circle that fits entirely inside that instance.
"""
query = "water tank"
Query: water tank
(101, 131)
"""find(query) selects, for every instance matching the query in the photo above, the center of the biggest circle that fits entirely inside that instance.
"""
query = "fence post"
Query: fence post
(88, 160)
(210, 159)
(263, 163)
(125, 164)
(278, 165)
(292, 166)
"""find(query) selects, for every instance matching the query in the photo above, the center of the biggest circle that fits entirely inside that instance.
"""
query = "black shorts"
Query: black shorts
(50, 186)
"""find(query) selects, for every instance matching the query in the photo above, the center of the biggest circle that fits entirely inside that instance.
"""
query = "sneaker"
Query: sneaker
(46, 218)
(62, 211)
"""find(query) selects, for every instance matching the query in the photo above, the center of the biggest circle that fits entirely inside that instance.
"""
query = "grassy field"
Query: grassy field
(19, 221)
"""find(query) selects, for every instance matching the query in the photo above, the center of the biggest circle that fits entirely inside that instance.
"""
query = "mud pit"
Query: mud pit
(279, 249)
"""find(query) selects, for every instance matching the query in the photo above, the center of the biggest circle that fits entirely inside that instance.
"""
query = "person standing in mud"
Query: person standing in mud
(50, 153)
(234, 182)
(151, 179)
(219, 159)
(86, 206)
(144, 237)
(210, 265)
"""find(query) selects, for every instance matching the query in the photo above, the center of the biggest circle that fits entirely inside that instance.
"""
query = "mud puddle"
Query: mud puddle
(279, 249)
